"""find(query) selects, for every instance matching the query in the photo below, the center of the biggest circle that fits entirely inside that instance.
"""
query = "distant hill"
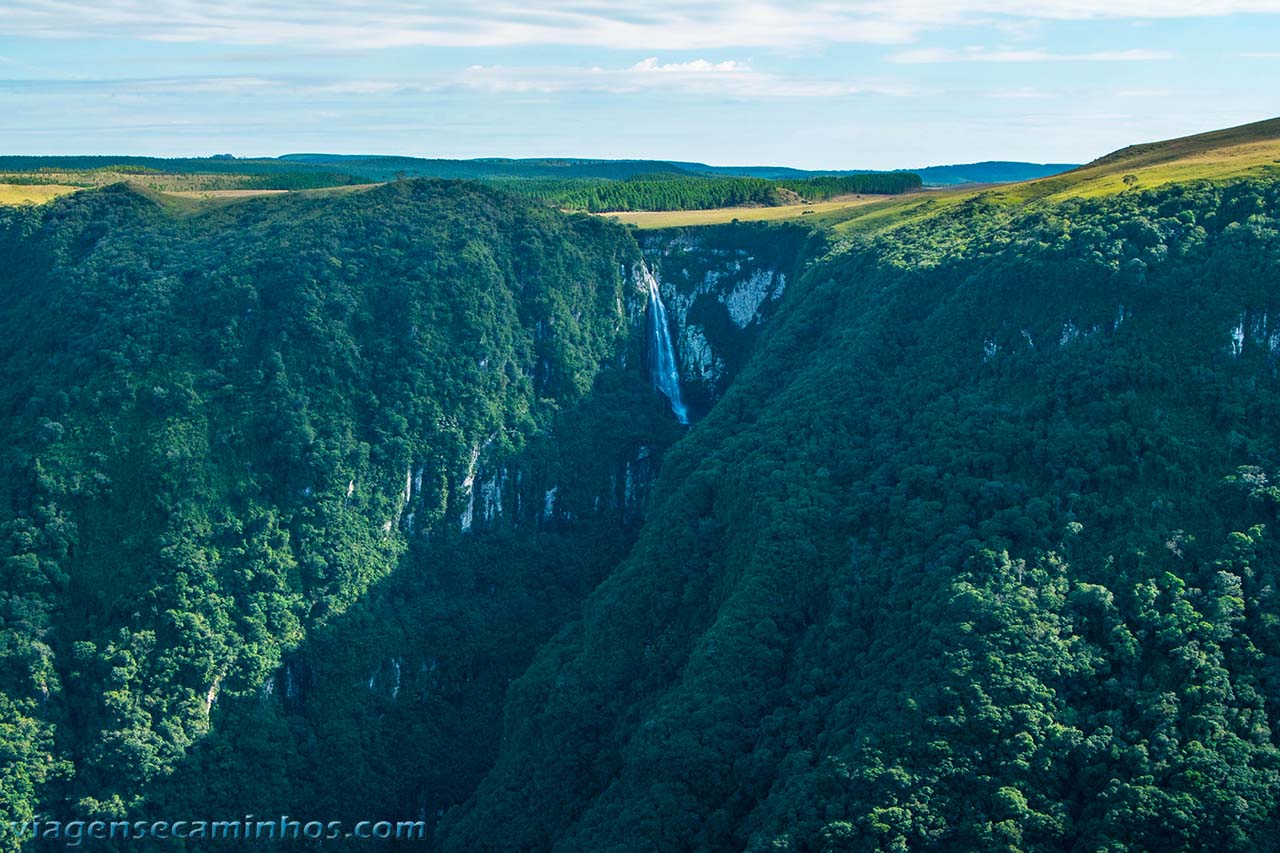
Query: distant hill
(1213, 144)
(550, 167)
(293, 171)
(989, 172)
(1248, 150)
(384, 168)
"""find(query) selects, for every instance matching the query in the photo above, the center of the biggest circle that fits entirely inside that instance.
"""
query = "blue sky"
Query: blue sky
(865, 84)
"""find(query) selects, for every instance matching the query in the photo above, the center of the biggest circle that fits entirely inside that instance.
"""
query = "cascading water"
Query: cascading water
(662, 354)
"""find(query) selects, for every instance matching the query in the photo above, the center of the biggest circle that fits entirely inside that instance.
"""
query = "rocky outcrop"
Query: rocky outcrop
(720, 286)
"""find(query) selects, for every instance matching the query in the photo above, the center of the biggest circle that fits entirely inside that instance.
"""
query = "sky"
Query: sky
(829, 85)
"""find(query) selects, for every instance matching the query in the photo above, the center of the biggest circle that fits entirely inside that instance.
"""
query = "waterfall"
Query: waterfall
(662, 354)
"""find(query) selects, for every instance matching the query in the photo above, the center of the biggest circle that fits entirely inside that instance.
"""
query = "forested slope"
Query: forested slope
(225, 429)
(977, 553)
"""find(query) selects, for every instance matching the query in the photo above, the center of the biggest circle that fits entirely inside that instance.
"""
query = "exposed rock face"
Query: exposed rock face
(1256, 330)
(720, 285)
(749, 295)
(469, 495)
(700, 362)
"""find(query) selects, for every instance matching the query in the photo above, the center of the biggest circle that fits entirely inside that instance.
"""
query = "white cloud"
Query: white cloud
(729, 78)
(656, 25)
(660, 24)
(1144, 93)
(1023, 93)
(358, 87)
(697, 66)
(979, 54)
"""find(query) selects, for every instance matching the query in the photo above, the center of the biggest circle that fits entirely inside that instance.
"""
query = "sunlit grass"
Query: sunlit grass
(1248, 151)
(1153, 166)
(677, 218)
(33, 193)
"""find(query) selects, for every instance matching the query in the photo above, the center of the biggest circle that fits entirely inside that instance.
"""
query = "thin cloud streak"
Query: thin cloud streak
(928, 56)
(666, 25)
(700, 77)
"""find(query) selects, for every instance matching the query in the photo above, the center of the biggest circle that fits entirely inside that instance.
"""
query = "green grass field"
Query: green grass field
(719, 216)
(849, 214)
(1248, 150)
(32, 194)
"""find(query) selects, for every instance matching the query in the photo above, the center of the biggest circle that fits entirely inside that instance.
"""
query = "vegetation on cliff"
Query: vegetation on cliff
(211, 419)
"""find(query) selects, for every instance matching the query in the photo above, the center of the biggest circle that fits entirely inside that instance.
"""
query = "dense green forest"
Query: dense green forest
(666, 191)
(976, 554)
(593, 187)
(363, 505)
(227, 428)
